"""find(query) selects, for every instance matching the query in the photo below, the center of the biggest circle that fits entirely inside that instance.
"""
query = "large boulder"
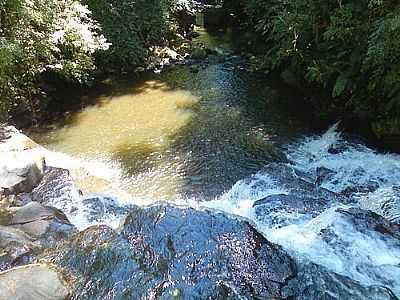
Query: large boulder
(42, 222)
(168, 252)
(32, 282)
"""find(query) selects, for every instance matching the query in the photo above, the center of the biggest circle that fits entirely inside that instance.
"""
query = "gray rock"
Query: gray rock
(16, 247)
(324, 174)
(42, 221)
(20, 173)
(32, 282)
(303, 198)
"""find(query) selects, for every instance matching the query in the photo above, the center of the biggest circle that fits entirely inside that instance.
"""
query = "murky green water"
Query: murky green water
(183, 134)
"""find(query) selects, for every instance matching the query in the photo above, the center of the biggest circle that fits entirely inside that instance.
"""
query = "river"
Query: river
(224, 138)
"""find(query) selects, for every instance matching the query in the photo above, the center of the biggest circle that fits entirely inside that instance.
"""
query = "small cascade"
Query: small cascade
(325, 217)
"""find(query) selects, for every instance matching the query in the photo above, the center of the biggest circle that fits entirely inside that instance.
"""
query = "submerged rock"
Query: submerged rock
(167, 252)
(33, 282)
(365, 221)
(324, 174)
(367, 244)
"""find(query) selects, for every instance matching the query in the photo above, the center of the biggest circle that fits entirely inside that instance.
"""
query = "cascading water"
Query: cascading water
(328, 237)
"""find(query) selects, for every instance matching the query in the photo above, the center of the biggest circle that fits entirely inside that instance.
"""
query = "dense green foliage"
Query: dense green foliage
(132, 27)
(48, 41)
(37, 38)
(349, 50)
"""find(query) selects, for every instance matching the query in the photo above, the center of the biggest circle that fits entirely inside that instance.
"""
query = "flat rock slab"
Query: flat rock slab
(38, 220)
(32, 282)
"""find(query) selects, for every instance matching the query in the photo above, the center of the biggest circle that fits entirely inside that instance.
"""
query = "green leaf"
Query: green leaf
(340, 85)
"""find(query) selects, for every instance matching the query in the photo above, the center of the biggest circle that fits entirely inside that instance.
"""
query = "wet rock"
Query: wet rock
(324, 174)
(56, 185)
(365, 221)
(42, 222)
(33, 282)
(99, 207)
(16, 247)
(278, 210)
(337, 148)
(20, 172)
(165, 252)
(298, 183)
(316, 282)
(354, 190)
(300, 198)
(367, 244)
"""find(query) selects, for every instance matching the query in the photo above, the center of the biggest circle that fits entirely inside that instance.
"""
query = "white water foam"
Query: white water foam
(366, 257)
